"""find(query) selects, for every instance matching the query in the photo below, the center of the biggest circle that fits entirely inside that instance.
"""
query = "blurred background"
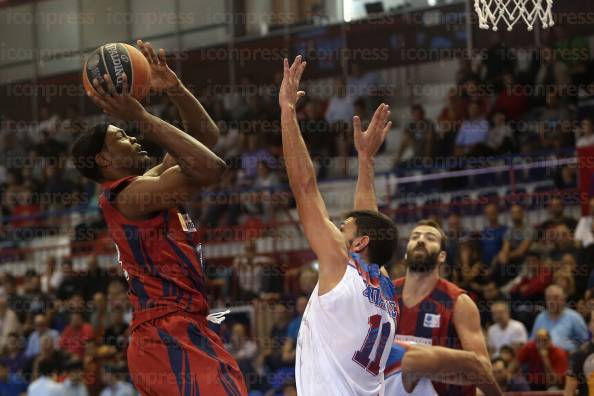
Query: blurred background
(492, 137)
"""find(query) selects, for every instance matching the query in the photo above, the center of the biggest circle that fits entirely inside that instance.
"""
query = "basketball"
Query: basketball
(116, 59)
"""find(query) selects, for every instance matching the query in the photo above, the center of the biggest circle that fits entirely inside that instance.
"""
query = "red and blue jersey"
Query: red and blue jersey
(430, 322)
(161, 258)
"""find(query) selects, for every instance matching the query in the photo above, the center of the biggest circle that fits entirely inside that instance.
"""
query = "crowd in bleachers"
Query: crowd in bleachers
(67, 327)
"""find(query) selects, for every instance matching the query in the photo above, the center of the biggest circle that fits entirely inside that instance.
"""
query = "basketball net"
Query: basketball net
(491, 12)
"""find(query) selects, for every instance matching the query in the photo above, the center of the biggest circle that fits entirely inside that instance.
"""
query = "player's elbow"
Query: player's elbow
(214, 172)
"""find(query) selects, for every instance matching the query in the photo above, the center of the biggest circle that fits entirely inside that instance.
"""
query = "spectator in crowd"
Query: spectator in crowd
(52, 277)
(499, 140)
(491, 240)
(248, 270)
(72, 283)
(563, 243)
(570, 49)
(419, 136)
(318, 135)
(557, 215)
(512, 100)
(362, 84)
(508, 382)
(11, 384)
(254, 152)
(113, 378)
(116, 334)
(549, 72)
(340, 105)
(48, 352)
(508, 355)
(46, 384)
(295, 324)
(555, 124)
(242, 348)
(579, 373)
(500, 57)
(449, 120)
(505, 330)
(471, 274)
(74, 384)
(529, 286)
(545, 364)
(13, 356)
(95, 279)
(516, 242)
(455, 232)
(35, 300)
(585, 134)
(41, 325)
(76, 335)
(9, 322)
(16, 302)
(565, 326)
(584, 232)
(473, 132)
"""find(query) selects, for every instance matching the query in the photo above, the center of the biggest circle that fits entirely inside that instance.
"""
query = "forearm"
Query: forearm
(451, 366)
(549, 372)
(365, 198)
(300, 168)
(194, 158)
(197, 122)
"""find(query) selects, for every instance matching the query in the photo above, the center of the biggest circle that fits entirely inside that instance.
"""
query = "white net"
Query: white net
(510, 12)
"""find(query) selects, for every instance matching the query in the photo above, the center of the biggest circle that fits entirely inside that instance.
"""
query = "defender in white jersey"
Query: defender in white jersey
(348, 326)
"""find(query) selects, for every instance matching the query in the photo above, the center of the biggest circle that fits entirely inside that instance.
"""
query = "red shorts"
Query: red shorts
(178, 355)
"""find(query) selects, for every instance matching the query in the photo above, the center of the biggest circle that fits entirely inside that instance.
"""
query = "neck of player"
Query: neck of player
(418, 285)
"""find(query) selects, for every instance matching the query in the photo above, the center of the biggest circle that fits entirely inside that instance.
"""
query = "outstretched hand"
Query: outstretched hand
(368, 142)
(289, 93)
(118, 105)
(162, 77)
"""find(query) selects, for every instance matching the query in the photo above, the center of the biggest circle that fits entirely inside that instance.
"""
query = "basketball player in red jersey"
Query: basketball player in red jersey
(433, 311)
(172, 350)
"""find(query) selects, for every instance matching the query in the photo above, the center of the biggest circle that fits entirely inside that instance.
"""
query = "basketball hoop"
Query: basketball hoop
(491, 12)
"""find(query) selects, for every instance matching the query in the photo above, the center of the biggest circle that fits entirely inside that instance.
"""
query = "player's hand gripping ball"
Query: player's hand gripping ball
(117, 59)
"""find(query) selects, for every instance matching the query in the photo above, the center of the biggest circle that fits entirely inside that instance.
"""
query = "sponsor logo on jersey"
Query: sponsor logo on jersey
(186, 222)
(374, 295)
(431, 320)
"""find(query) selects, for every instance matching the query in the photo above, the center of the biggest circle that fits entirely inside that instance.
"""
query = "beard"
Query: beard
(424, 263)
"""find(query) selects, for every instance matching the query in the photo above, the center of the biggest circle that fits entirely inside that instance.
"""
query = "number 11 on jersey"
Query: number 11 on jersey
(362, 356)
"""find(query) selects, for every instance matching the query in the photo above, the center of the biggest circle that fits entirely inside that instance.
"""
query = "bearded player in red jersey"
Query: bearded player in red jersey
(172, 351)
(433, 311)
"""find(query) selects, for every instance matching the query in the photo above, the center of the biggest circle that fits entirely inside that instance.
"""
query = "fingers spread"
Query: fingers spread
(98, 88)
(125, 90)
(110, 87)
(162, 57)
(357, 125)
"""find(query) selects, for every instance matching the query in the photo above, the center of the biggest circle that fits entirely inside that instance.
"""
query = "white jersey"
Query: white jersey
(394, 385)
(346, 334)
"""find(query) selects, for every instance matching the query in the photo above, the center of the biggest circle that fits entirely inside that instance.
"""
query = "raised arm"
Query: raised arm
(323, 236)
(196, 121)
(197, 165)
(367, 144)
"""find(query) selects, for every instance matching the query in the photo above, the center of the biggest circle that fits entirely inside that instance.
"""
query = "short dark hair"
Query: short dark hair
(46, 368)
(382, 233)
(437, 226)
(84, 150)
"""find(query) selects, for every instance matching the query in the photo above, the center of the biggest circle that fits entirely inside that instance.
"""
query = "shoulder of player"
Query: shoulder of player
(465, 308)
